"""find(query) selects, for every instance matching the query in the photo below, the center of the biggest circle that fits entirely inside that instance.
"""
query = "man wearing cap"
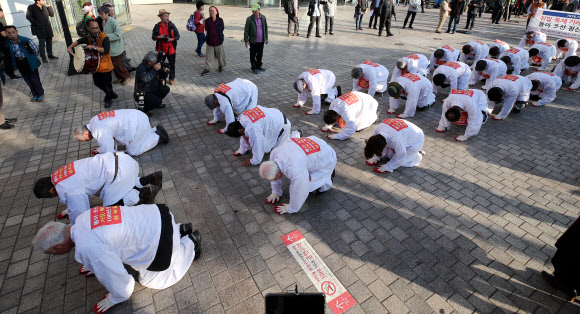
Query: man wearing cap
(110, 240)
(512, 90)
(320, 84)
(451, 74)
(231, 100)
(531, 38)
(113, 30)
(516, 60)
(309, 164)
(353, 112)
(497, 47)
(260, 129)
(114, 177)
(255, 36)
(566, 47)
(568, 70)
(442, 55)
(88, 13)
(415, 63)
(128, 127)
(544, 87)
(165, 35)
(464, 107)
(542, 54)
(416, 89)
(370, 76)
(474, 51)
(399, 140)
(487, 69)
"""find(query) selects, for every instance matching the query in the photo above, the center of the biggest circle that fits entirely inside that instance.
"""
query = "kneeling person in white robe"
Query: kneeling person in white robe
(487, 69)
(370, 76)
(568, 70)
(230, 100)
(566, 48)
(474, 51)
(114, 177)
(128, 127)
(512, 90)
(470, 102)
(309, 164)
(399, 140)
(531, 38)
(260, 129)
(451, 74)
(497, 47)
(442, 55)
(516, 60)
(320, 83)
(542, 54)
(544, 88)
(353, 112)
(416, 89)
(415, 63)
(144, 237)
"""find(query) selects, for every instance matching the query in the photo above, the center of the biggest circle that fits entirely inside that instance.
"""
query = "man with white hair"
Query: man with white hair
(568, 70)
(399, 140)
(566, 47)
(370, 76)
(532, 38)
(487, 69)
(497, 47)
(111, 176)
(353, 112)
(442, 55)
(512, 90)
(231, 100)
(516, 60)
(260, 129)
(474, 51)
(415, 89)
(309, 164)
(415, 63)
(451, 74)
(145, 238)
(542, 54)
(464, 107)
(544, 87)
(128, 127)
(320, 84)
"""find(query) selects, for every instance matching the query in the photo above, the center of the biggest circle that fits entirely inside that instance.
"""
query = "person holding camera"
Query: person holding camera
(166, 36)
(149, 87)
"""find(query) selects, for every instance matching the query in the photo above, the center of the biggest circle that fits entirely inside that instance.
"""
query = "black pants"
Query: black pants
(470, 19)
(42, 42)
(8, 66)
(412, 15)
(32, 78)
(256, 51)
(453, 20)
(154, 99)
(376, 15)
(103, 80)
(496, 15)
(328, 19)
(385, 23)
(314, 19)
(171, 60)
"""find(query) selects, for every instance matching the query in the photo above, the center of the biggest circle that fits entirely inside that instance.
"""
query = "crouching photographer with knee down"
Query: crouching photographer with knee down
(150, 86)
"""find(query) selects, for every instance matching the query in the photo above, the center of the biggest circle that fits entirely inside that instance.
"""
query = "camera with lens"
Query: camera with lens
(163, 73)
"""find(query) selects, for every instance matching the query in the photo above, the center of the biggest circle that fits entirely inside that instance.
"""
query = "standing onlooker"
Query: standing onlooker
(457, 8)
(199, 26)
(255, 35)
(166, 36)
(126, 60)
(537, 4)
(314, 12)
(8, 66)
(38, 14)
(498, 7)
(113, 30)
(572, 6)
(292, 11)
(4, 125)
(329, 9)
(559, 5)
(214, 49)
(387, 12)
(412, 11)
(24, 55)
(472, 12)
(443, 12)
(359, 12)
(376, 6)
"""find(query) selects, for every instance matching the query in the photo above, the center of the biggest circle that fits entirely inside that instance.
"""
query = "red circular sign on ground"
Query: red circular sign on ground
(328, 288)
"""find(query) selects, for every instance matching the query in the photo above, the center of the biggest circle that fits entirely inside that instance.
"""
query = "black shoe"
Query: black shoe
(156, 178)
(453, 32)
(6, 126)
(255, 71)
(115, 96)
(308, 36)
(163, 136)
(261, 69)
(133, 69)
(300, 132)
(404, 26)
(53, 57)
(44, 60)
(185, 229)
(318, 36)
(162, 106)
(108, 103)
(465, 28)
(205, 72)
(15, 77)
(331, 33)
(339, 89)
(448, 31)
(196, 238)
(332, 175)
(11, 120)
(147, 194)
(390, 34)
(571, 294)
(410, 27)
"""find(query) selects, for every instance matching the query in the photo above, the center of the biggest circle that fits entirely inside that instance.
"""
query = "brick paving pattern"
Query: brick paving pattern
(468, 230)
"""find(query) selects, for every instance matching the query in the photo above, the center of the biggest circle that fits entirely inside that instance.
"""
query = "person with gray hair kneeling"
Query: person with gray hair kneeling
(150, 83)
(145, 238)
(128, 127)
(309, 164)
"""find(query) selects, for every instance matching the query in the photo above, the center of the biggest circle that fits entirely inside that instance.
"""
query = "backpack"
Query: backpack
(190, 26)
(288, 6)
(82, 30)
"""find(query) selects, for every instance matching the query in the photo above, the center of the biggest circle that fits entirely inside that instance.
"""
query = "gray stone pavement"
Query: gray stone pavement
(468, 230)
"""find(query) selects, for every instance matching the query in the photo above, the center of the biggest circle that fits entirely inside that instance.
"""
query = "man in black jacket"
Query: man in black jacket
(166, 36)
(149, 91)
(387, 11)
(38, 14)
(457, 8)
(472, 12)
(376, 6)
(498, 7)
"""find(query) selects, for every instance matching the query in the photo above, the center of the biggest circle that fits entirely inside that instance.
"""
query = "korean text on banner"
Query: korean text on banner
(556, 23)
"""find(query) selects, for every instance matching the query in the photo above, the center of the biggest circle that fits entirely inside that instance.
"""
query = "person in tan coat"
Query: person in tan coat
(443, 13)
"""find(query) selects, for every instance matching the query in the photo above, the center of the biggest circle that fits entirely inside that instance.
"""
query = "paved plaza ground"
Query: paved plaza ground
(469, 230)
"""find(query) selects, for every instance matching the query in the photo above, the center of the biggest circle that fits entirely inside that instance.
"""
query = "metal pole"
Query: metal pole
(66, 33)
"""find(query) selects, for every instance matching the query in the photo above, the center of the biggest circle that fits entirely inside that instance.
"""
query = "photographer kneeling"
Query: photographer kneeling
(150, 87)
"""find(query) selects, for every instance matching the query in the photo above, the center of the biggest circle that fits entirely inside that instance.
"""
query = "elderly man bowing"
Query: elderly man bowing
(128, 127)
(112, 176)
(231, 100)
(105, 239)
(353, 112)
(320, 84)
(370, 76)
(309, 164)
